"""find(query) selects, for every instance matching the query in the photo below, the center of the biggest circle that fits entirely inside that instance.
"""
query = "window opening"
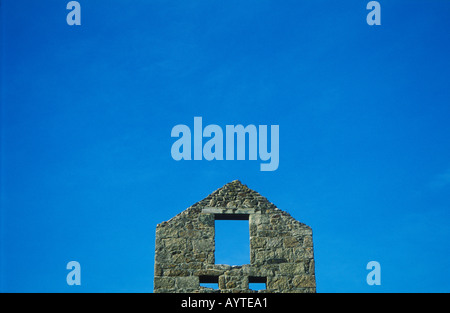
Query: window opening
(209, 282)
(232, 239)
(257, 283)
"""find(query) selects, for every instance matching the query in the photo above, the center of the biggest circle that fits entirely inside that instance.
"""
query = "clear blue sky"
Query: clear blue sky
(87, 111)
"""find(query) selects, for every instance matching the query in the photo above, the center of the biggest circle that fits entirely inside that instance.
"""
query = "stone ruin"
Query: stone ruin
(281, 248)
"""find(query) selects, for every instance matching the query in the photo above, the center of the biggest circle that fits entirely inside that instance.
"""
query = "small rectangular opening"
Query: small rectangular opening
(231, 217)
(209, 282)
(232, 239)
(257, 283)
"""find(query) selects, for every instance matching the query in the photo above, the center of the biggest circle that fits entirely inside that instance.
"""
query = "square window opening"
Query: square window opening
(257, 283)
(209, 282)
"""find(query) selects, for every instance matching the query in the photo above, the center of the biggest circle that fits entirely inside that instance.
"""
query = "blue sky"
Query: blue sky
(87, 112)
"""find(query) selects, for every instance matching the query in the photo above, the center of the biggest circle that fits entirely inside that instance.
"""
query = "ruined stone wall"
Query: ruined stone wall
(281, 248)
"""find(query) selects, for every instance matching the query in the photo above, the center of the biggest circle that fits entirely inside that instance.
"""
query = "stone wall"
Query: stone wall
(281, 248)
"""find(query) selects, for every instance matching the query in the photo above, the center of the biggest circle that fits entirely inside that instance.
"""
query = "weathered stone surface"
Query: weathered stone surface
(281, 248)
(187, 282)
(164, 283)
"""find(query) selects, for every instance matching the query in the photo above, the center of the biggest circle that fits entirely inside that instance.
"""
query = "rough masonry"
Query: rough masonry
(281, 248)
